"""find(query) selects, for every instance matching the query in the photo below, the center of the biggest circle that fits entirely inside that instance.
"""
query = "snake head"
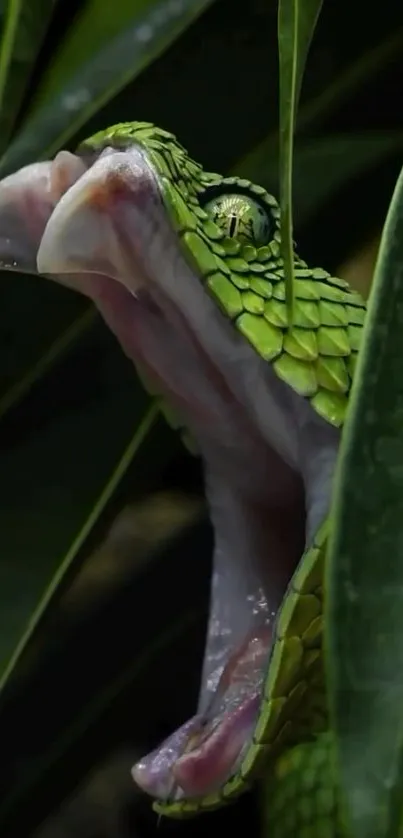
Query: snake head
(132, 222)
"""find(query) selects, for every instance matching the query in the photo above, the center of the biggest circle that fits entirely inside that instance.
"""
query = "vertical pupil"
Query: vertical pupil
(240, 215)
(233, 225)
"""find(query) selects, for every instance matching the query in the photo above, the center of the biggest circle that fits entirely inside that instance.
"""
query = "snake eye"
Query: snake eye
(241, 217)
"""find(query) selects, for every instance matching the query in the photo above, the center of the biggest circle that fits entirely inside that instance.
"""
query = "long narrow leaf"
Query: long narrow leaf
(104, 73)
(345, 85)
(22, 27)
(46, 361)
(130, 451)
(52, 476)
(94, 26)
(296, 24)
(323, 165)
(364, 621)
(160, 559)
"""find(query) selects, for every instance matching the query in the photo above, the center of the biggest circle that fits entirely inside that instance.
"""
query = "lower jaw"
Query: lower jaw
(202, 755)
(191, 763)
(205, 752)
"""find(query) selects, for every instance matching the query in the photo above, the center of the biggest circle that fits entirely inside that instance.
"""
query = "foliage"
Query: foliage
(365, 637)
(296, 24)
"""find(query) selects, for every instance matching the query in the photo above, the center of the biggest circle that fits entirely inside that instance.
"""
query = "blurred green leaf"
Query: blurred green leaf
(326, 164)
(140, 37)
(93, 28)
(39, 322)
(296, 25)
(56, 478)
(22, 26)
(323, 165)
(364, 620)
(255, 163)
(162, 560)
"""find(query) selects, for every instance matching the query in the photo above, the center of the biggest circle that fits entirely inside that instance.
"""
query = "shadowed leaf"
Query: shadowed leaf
(57, 476)
(296, 25)
(140, 37)
(23, 27)
(365, 571)
(324, 165)
(261, 159)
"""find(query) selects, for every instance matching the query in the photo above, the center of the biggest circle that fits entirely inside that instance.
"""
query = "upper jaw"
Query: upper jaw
(68, 220)
(26, 204)
(97, 223)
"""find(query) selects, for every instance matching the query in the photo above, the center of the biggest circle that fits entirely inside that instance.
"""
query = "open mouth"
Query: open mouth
(112, 222)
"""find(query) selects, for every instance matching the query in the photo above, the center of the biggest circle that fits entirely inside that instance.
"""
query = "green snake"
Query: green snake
(185, 267)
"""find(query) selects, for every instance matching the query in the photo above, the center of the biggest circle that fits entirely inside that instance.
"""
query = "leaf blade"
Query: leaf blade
(322, 166)
(296, 26)
(145, 426)
(23, 32)
(99, 79)
(363, 623)
(53, 474)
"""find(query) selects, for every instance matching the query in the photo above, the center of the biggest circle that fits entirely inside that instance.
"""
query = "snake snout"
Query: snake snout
(76, 216)
(27, 200)
(26, 204)
(93, 227)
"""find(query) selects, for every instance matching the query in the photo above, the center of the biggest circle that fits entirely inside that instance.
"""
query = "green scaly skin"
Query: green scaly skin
(292, 746)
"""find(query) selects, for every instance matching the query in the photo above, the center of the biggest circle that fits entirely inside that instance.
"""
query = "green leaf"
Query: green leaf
(147, 561)
(260, 162)
(95, 25)
(57, 475)
(142, 32)
(39, 323)
(323, 165)
(364, 619)
(296, 24)
(22, 32)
